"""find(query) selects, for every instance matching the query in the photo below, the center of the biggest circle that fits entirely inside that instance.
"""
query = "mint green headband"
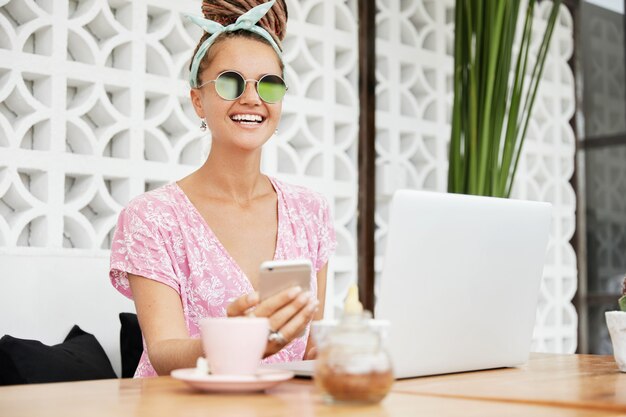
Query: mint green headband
(247, 21)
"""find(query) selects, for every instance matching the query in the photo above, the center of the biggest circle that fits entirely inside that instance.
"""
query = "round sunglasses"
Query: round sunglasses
(230, 85)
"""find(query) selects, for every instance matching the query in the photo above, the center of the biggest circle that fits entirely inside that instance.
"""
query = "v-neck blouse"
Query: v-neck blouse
(161, 236)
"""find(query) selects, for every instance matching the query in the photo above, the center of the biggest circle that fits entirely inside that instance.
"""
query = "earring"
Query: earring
(203, 125)
(276, 132)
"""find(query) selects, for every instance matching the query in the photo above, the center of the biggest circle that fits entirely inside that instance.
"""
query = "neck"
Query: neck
(233, 175)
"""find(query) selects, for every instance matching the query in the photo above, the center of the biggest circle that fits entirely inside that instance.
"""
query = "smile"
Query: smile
(247, 119)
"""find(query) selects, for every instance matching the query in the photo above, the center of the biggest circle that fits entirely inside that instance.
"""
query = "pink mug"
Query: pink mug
(234, 345)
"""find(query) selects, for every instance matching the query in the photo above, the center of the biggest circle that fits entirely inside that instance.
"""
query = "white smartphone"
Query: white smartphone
(277, 276)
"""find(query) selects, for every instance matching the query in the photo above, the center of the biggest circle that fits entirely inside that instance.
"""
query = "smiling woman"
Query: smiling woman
(220, 95)
(192, 249)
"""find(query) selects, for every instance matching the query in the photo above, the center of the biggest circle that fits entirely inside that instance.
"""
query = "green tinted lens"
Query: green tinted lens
(229, 85)
(271, 88)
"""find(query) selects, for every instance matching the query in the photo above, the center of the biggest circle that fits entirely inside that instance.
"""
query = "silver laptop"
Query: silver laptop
(460, 282)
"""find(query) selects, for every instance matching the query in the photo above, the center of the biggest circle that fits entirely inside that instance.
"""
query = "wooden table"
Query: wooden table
(582, 381)
(550, 385)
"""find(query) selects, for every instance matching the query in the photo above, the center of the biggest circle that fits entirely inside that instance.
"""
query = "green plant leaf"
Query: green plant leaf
(622, 303)
(493, 94)
(534, 87)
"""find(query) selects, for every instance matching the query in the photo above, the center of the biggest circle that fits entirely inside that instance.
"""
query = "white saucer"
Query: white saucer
(262, 380)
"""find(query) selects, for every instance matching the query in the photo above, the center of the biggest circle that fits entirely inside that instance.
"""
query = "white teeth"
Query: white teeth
(246, 118)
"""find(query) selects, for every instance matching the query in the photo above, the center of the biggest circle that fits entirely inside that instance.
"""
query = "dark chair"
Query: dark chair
(131, 345)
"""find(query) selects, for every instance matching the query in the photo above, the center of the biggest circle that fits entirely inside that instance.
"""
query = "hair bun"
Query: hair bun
(226, 12)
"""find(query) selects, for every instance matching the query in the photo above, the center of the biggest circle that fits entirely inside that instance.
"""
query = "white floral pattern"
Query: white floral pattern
(160, 235)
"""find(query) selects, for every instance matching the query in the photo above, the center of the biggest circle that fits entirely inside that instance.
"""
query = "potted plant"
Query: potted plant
(493, 99)
(616, 322)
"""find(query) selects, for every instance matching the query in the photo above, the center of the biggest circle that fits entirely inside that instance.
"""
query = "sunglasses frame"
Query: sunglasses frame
(256, 86)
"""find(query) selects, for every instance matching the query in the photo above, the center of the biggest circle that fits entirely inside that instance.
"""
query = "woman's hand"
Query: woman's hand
(288, 312)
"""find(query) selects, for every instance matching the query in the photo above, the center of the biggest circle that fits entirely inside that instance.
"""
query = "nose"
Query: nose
(250, 95)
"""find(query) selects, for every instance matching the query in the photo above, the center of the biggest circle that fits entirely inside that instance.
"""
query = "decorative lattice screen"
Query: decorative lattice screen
(415, 56)
(95, 110)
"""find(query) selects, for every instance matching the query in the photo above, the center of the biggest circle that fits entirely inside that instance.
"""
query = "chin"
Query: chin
(250, 144)
(253, 139)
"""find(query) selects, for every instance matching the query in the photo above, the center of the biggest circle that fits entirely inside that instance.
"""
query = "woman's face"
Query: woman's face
(252, 59)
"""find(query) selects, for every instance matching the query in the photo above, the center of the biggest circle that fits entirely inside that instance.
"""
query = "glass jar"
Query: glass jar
(352, 363)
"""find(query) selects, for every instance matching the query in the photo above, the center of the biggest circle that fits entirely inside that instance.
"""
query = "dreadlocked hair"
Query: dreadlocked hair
(226, 12)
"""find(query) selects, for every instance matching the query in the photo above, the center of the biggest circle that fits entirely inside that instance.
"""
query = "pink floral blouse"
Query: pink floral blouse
(160, 235)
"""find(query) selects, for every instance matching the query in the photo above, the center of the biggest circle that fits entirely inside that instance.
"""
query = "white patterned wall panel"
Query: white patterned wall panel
(317, 138)
(546, 168)
(94, 110)
(414, 93)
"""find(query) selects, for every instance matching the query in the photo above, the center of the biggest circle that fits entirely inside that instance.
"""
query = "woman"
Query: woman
(193, 248)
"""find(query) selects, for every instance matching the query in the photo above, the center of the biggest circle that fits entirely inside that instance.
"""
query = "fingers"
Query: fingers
(288, 312)
(295, 325)
(285, 314)
(274, 303)
(241, 305)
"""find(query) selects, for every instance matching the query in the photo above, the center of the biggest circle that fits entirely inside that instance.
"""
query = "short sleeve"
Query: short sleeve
(138, 248)
(327, 241)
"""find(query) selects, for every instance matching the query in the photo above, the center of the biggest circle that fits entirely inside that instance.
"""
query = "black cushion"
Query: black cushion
(79, 357)
(131, 345)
